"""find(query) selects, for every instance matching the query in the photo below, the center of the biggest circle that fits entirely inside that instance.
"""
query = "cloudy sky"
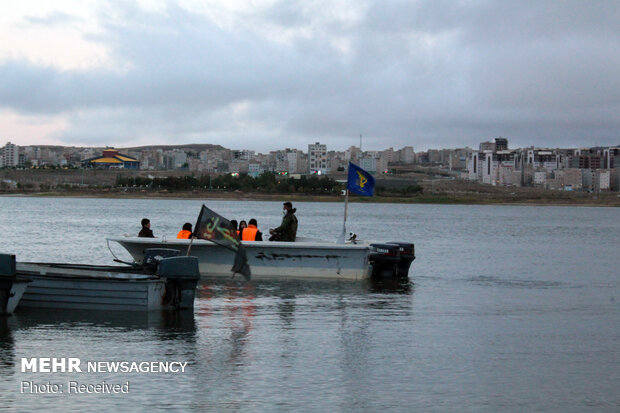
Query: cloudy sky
(265, 75)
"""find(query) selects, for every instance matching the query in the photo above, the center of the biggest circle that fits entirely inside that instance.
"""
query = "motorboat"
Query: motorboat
(216, 244)
(304, 258)
(163, 281)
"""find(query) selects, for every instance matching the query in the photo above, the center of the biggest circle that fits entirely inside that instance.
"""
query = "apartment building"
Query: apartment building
(9, 156)
(317, 158)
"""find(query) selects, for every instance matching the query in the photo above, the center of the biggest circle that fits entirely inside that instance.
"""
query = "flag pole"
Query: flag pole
(344, 223)
(191, 241)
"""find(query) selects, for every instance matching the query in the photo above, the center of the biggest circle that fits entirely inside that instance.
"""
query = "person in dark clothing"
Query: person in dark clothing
(146, 232)
(287, 231)
(242, 225)
(236, 225)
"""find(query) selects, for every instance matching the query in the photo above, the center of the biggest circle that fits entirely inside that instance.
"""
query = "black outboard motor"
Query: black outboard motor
(152, 256)
(182, 276)
(7, 278)
(407, 255)
(384, 259)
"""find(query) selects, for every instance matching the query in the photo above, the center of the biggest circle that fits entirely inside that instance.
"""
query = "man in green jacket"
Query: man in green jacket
(287, 231)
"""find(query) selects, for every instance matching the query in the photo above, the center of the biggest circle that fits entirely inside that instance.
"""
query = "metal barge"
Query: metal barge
(163, 282)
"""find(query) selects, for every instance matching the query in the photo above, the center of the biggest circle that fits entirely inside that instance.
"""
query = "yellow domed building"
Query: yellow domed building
(112, 159)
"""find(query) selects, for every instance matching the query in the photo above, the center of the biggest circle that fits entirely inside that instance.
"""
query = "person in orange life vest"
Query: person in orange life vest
(251, 233)
(186, 232)
(242, 225)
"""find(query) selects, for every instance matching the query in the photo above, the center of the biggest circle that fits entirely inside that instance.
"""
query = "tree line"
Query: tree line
(267, 182)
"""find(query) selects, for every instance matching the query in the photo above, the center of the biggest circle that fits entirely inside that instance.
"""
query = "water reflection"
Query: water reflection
(287, 297)
(291, 288)
(390, 286)
(286, 310)
(7, 346)
(241, 310)
(168, 325)
(7, 360)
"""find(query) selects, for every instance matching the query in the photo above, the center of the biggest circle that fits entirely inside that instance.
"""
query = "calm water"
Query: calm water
(510, 309)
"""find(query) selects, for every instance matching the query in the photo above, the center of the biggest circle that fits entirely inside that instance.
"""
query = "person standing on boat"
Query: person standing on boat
(251, 233)
(146, 232)
(287, 231)
(186, 232)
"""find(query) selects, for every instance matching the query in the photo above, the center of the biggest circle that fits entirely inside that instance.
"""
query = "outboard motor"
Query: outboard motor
(384, 259)
(152, 256)
(182, 275)
(407, 255)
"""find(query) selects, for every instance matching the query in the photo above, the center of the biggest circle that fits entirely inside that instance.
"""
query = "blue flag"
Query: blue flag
(360, 182)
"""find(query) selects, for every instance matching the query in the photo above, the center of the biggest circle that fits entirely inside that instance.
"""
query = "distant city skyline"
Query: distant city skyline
(172, 146)
(276, 74)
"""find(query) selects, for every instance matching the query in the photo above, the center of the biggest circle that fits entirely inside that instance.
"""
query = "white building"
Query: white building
(494, 168)
(597, 179)
(493, 162)
(543, 158)
(573, 179)
(317, 158)
(180, 158)
(352, 154)
(506, 175)
(604, 180)
(512, 167)
(407, 155)
(292, 159)
(373, 162)
(611, 158)
(473, 166)
(368, 164)
(540, 178)
(391, 155)
(242, 155)
(9, 156)
(255, 170)
(239, 167)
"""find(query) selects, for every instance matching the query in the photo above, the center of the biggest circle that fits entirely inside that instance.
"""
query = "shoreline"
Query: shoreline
(603, 200)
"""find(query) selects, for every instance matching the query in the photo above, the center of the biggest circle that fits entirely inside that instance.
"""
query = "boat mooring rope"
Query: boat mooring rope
(112, 252)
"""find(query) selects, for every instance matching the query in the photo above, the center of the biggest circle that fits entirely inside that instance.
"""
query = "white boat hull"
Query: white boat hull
(314, 260)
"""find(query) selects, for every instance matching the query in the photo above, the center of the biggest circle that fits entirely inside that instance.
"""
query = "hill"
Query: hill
(197, 147)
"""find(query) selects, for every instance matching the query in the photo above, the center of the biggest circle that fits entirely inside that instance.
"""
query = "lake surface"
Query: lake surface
(508, 308)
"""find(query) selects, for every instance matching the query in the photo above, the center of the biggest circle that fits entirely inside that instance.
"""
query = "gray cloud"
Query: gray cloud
(53, 19)
(427, 74)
